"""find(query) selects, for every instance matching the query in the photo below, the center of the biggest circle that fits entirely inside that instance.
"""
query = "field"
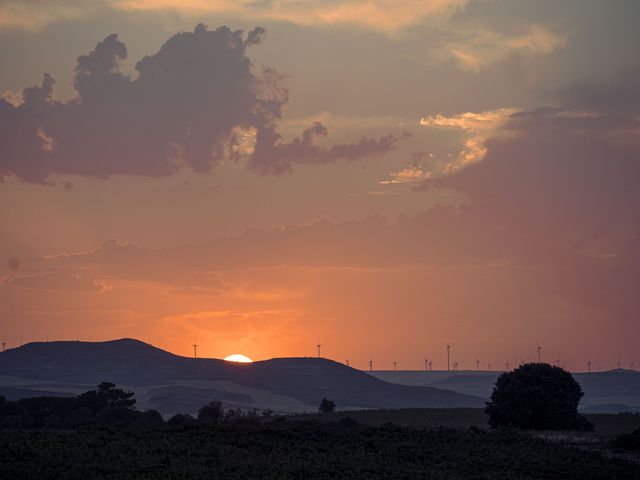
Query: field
(300, 448)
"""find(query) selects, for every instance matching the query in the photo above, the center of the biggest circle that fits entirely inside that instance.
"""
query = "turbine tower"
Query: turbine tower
(507, 366)
(4, 346)
(195, 350)
(448, 356)
(589, 366)
(477, 364)
(370, 364)
(539, 349)
(395, 366)
(318, 347)
(426, 364)
(430, 365)
(347, 362)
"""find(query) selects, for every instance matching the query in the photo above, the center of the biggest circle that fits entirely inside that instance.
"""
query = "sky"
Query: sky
(384, 177)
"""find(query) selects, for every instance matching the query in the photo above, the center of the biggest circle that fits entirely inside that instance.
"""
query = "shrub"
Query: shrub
(537, 396)
(628, 441)
(150, 419)
(212, 412)
(326, 406)
(117, 415)
(78, 417)
(53, 422)
(181, 420)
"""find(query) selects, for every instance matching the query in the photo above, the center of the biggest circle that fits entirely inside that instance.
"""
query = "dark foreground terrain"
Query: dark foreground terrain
(296, 449)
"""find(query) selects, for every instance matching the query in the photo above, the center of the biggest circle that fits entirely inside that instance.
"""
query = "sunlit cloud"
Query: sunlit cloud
(411, 174)
(477, 127)
(32, 15)
(388, 16)
(474, 50)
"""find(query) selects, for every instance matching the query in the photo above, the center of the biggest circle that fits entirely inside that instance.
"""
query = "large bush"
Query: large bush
(212, 412)
(537, 396)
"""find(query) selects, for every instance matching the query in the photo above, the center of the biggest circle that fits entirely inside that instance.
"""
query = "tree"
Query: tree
(537, 396)
(212, 412)
(326, 406)
(106, 395)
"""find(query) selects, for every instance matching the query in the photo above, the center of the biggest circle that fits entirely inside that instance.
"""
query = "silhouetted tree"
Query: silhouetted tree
(79, 416)
(117, 415)
(537, 396)
(150, 419)
(106, 395)
(326, 406)
(181, 420)
(13, 415)
(212, 412)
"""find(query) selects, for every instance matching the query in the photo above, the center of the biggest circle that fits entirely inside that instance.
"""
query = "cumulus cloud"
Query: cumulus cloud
(196, 101)
(475, 49)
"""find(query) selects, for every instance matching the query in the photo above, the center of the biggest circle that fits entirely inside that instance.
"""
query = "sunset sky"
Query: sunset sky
(385, 176)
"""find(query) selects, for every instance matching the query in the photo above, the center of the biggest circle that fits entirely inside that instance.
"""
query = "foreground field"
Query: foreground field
(607, 425)
(303, 449)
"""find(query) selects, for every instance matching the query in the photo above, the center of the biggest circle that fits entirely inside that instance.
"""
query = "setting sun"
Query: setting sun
(236, 357)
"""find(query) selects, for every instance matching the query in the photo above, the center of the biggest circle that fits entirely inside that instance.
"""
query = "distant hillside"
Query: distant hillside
(611, 391)
(167, 382)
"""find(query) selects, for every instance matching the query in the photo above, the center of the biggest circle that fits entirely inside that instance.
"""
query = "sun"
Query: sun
(236, 357)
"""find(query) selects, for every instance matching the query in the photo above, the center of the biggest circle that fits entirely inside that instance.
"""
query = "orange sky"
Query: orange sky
(346, 172)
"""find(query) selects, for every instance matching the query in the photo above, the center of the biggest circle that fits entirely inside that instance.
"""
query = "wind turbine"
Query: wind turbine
(589, 365)
(347, 362)
(395, 366)
(370, 364)
(318, 347)
(4, 346)
(195, 350)
(507, 366)
(426, 364)
(448, 356)
(477, 364)
(539, 349)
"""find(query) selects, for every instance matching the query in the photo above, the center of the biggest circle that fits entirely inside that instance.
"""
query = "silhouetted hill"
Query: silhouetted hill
(610, 391)
(137, 364)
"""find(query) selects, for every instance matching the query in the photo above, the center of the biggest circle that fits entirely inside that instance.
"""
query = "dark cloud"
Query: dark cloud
(274, 156)
(187, 107)
(560, 181)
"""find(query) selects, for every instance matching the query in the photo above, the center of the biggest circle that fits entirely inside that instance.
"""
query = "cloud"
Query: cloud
(413, 173)
(195, 102)
(477, 127)
(32, 15)
(475, 49)
(387, 16)
(57, 280)
(273, 156)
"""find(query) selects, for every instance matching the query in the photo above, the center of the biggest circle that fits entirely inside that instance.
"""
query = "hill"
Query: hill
(171, 383)
(605, 392)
